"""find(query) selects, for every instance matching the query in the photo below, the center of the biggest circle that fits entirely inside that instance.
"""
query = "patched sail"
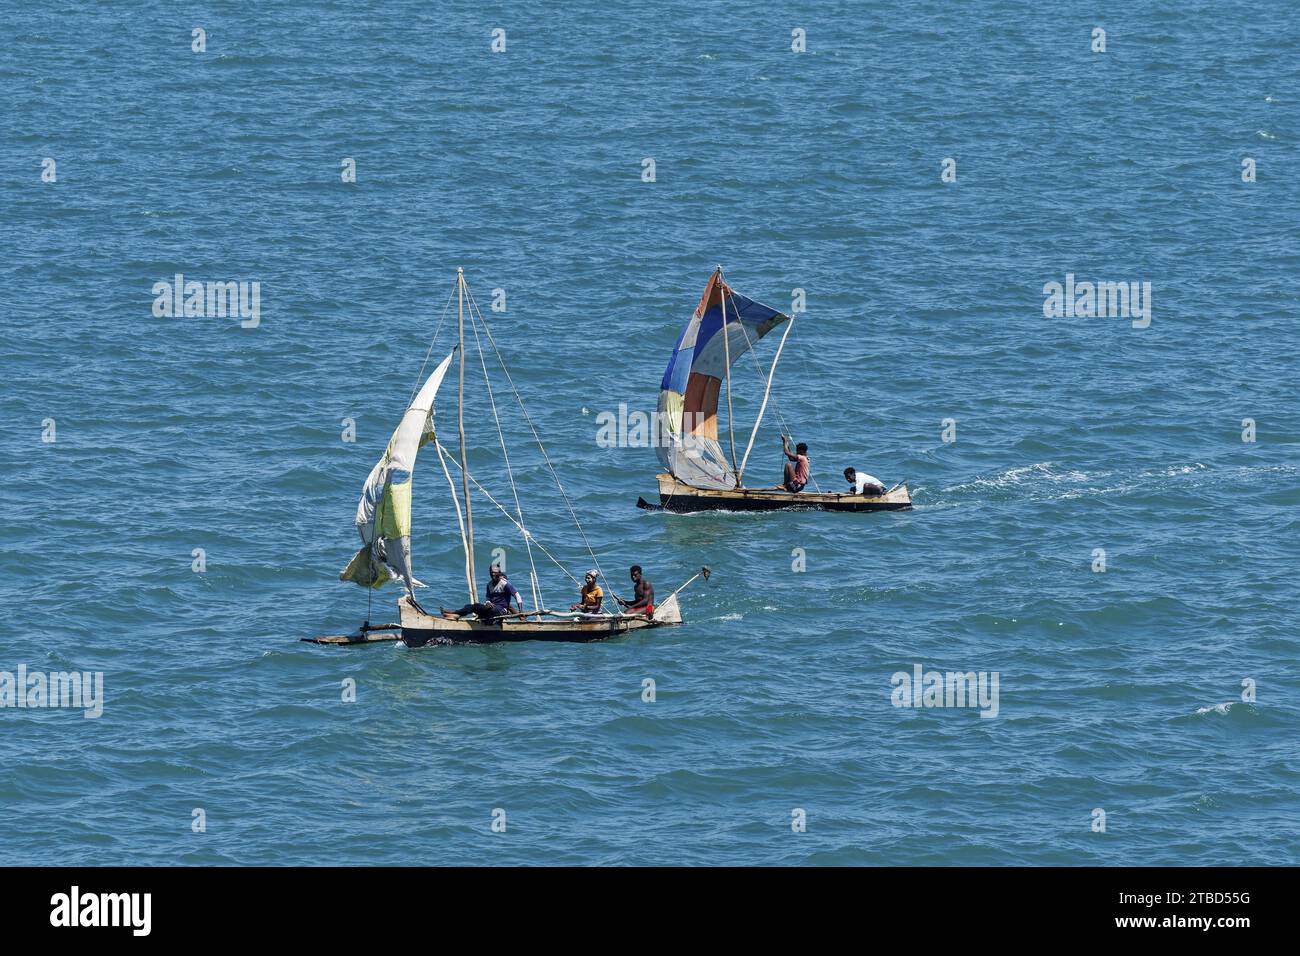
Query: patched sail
(686, 426)
(384, 511)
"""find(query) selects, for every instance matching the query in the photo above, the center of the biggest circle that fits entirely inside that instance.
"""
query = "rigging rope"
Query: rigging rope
(541, 447)
(455, 500)
(776, 406)
(528, 534)
(536, 585)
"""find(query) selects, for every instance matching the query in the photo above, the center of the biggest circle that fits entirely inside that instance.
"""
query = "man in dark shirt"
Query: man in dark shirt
(499, 594)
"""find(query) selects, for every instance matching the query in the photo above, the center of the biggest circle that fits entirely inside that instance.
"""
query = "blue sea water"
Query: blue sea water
(1119, 690)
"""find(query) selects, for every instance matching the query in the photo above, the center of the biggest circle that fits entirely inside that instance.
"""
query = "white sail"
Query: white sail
(384, 511)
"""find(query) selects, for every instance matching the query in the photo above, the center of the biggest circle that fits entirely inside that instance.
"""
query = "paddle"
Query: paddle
(703, 571)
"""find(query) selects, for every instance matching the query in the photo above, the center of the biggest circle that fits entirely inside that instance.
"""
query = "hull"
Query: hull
(420, 629)
(363, 637)
(677, 497)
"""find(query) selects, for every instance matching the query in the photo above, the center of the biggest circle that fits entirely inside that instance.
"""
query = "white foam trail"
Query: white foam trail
(1217, 708)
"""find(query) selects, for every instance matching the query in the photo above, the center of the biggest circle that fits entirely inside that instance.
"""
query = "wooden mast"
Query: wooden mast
(726, 346)
(464, 462)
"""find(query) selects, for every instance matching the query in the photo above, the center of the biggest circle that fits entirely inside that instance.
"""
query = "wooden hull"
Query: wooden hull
(677, 497)
(420, 629)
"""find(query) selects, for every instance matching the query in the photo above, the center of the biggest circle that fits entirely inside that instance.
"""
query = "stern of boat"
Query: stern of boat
(669, 486)
(669, 612)
(899, 497)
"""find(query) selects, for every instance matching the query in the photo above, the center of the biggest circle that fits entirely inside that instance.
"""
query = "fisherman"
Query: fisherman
(863, 484)
(499, 592)
(796, 469)
(591, 596)
(644, 601)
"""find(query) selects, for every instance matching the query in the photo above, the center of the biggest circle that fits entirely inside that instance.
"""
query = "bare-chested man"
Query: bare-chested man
(644, 600)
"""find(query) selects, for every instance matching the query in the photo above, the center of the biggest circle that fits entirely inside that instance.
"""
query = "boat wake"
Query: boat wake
(1048, 481)
(1216, 708)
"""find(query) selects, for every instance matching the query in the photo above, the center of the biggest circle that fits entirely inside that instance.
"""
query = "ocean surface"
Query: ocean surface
(1161, 691)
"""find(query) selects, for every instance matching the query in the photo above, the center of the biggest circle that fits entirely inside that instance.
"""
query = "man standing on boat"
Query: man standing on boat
(644, 601)
(499, 594)
(860, 483)
(796, 469)
(591, 597)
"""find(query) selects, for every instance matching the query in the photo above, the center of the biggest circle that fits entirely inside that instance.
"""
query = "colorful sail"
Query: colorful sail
(384, 512)
(686, 427)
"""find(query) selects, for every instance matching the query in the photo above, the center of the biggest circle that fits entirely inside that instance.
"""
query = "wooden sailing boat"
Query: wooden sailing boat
(384, 524)
(698, 475)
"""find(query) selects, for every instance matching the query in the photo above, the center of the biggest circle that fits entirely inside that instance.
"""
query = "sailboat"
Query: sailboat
(698, 474)
(383, 523)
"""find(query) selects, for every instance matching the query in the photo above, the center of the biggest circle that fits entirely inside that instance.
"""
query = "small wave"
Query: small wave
(1232, 711)
(1046, 481)
(244, 59)
(1217, 708)
(1176, 470)
(1043, 471)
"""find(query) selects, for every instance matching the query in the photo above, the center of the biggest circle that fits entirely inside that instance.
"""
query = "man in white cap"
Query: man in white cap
(591, 596)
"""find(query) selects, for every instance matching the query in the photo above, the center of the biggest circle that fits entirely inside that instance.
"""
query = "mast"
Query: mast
(766, 392)
(726, 347)
(464, 462)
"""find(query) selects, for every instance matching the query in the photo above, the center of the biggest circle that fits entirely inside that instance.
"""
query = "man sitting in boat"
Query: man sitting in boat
(796, 469)
(644, 600)
(590, 597)
(499, 594)
(860, 483)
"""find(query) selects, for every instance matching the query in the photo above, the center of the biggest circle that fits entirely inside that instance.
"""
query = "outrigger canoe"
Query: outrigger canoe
(383, 523)
(420, 628)
(681, 498)
(699, 474)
